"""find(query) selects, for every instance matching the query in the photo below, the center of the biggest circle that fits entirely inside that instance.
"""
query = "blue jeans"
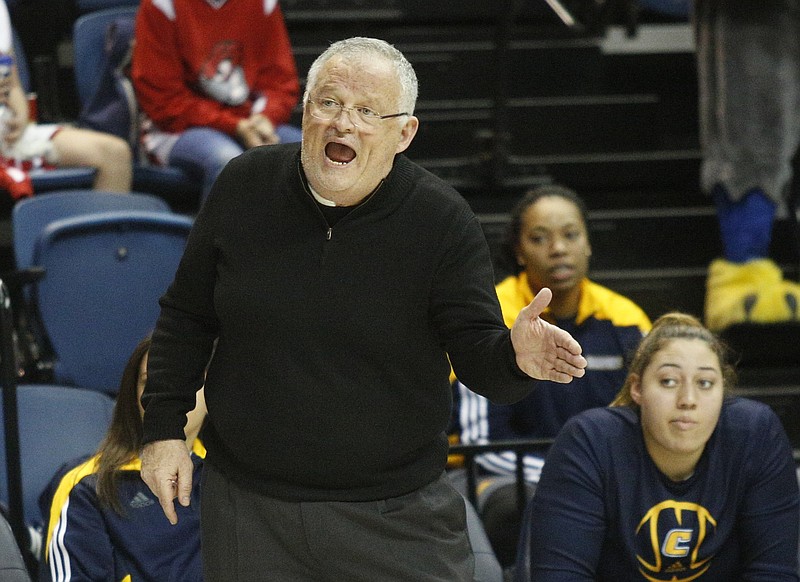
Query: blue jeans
(202, 152)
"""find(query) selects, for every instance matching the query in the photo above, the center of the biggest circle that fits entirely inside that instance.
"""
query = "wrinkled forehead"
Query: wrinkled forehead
(365, 78)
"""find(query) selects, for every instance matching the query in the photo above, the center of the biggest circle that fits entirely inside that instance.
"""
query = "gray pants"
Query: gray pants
(249, 537)
(748, 56)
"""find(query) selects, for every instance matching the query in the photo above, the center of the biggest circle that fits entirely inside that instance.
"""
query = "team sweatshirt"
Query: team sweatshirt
(87, 541)
(603, 512)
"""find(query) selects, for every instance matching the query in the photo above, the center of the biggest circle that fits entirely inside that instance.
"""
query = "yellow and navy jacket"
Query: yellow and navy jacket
(608, 326)
(89, 542)
(603, 512)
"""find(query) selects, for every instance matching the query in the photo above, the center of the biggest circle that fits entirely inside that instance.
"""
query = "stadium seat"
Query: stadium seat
(29, 218)
(56, 424)
(99, 279)
(88, 38)
(31, 215)
(487, 568)
(12, 564)
(103, 276)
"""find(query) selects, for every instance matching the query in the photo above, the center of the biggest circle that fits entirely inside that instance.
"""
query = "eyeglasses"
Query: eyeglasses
(328, 109)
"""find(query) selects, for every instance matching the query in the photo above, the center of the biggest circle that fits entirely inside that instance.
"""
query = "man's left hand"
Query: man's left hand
(545, 351)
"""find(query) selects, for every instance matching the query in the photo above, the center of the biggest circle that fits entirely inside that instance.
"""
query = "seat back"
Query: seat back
(56, 425)
(30, 216)
(104, 274)
(487, 567)
(89, 44)
(12, 564)
(88, 41)
(85, 6)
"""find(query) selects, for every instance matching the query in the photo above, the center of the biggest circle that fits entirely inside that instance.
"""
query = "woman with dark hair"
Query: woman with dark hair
(676, 480)
(104, 523)
(547, 245)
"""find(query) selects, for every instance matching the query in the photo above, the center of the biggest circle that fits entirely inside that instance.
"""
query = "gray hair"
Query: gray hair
(363, 47)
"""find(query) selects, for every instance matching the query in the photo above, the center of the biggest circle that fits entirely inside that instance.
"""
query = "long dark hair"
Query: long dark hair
(123, 440)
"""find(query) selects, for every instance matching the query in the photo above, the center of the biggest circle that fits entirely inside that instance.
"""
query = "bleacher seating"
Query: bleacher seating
(12, 564)
(511, 97)
(104, 271)
(509, 103)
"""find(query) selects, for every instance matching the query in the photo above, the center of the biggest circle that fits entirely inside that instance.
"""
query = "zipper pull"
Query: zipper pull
(329, 234)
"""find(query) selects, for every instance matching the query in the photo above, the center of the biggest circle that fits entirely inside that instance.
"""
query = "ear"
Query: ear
(588, 250)
(407, 133)
(636, 389)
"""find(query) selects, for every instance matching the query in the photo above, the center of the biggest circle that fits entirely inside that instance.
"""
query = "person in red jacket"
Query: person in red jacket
(213, 78)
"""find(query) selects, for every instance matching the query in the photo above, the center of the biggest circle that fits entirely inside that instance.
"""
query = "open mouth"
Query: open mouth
(339, 154)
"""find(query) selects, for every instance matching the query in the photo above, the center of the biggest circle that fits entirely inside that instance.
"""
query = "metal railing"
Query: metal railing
(519, 447)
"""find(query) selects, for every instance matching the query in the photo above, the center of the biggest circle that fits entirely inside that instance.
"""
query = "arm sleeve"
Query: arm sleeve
(467, 314)
(183, 339)
(79, 548)
(566, 517)
(770, 517)
(159, 80)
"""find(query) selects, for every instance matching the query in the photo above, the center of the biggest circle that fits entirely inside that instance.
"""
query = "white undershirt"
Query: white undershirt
(320, 199)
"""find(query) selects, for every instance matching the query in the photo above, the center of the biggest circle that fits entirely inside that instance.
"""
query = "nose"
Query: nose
(687, 398)
(345, 118)
(558, 246)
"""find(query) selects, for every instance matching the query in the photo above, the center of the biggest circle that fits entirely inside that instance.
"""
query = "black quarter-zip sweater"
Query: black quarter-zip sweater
(330, 378)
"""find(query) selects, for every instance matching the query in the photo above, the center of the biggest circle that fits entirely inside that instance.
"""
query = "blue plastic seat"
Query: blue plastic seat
(103, 276)
(93, 265)
(56, 424)
(88, 39)
(30, 215)
(85, 6)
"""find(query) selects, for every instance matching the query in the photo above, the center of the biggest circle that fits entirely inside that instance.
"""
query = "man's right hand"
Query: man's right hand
(167, 469)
